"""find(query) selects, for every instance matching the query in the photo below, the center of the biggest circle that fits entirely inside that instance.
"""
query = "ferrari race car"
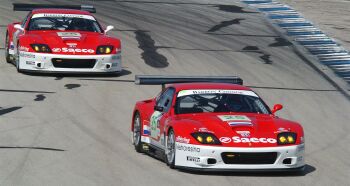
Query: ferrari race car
(60, 39)
(215, 124)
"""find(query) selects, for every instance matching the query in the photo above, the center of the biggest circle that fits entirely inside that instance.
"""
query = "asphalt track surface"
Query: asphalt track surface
(75, 130)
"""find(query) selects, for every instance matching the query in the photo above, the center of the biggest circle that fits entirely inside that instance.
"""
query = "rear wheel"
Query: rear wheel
(137, 133)
(170, 149)
(7, 49)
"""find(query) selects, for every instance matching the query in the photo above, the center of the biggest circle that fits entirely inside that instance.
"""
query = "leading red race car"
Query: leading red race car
(213, 123)
(59, 38)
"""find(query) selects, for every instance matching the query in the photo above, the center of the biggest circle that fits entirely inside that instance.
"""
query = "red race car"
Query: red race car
(215, 124)
(54, 38)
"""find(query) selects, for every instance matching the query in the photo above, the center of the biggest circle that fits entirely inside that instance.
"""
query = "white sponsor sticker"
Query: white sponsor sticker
(215, 91)
(64, 15)
(69, 34)
(234, 118)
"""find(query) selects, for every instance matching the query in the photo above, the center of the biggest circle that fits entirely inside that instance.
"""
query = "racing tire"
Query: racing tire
(7, 48)
(17, 59)
(137, 133)
(170, 149)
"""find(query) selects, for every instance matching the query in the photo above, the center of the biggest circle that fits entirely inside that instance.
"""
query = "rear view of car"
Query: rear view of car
(62, 40)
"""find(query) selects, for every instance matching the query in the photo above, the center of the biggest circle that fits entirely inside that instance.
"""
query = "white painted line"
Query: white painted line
(332, 54)
(292, 20)
(291, 27)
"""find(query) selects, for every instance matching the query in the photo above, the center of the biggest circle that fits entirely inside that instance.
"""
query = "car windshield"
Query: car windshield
(198, 101)
(63, 22)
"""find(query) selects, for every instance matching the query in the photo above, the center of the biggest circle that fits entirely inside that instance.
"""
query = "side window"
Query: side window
(166, 98)
(26, 20)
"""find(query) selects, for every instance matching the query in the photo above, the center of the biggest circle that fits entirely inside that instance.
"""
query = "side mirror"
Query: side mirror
(19, 27)
(109, 28)
(276, 108)
(159, 108)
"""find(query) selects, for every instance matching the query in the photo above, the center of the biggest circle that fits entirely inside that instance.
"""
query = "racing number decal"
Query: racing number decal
(155, 127)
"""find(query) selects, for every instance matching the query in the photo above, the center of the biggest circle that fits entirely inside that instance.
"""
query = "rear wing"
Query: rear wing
(163, 80)
(30, 7)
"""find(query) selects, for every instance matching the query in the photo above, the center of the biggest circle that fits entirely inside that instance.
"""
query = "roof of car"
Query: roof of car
(60, 11)
(226, 86)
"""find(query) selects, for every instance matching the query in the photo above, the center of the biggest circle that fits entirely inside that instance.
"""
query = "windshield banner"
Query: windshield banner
(215, 91)
(64, 15)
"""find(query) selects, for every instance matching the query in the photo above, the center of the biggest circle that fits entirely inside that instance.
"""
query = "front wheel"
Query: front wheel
(7, 49)
(170, 149)
(17, 60)
(137, 133)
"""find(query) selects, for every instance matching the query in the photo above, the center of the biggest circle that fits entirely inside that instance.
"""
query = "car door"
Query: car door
(160, 114)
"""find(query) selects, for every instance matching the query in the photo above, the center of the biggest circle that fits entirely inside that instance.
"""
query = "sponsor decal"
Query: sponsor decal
(69, 34)
(56, 50)
(181, 139)
(194, 159)
(204, 130)
(155, 126)
(214, 91)
(187, 148)
(234, 118)
(23, 49)
(244, 133)
(145, 130)
(225, 140)
(72, 45)
(64, 15)
(73, 50)
(26, 55)
(12, 46)
(30, 62)
(237, 139)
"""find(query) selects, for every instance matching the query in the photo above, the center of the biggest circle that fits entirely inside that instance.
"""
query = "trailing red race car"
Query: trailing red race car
(215, 123)
(60, 39)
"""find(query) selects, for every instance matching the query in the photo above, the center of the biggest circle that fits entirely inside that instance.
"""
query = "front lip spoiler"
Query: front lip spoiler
(69, 72)
(297, 169)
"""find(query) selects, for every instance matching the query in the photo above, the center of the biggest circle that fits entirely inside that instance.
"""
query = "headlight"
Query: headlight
(42, 48)
(105, 49)
(206, 138)
(285, 138)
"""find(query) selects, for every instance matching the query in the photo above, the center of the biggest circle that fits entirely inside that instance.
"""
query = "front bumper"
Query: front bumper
(209, 158)
(29, 61)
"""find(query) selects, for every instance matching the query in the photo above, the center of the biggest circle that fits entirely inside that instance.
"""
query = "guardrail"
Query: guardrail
(325, 49)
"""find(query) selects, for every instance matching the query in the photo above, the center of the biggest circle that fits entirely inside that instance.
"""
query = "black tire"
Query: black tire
(7, 53)
(17, 59)
(170, 152)
(137, 133)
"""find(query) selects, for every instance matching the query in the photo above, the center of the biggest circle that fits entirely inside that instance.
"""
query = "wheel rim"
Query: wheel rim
(170, 147)
(136, 131)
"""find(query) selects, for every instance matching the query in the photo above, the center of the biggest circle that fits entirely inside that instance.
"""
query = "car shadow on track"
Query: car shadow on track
(308, 169)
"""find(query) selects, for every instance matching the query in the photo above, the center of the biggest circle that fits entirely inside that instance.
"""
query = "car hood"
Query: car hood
(232, 128)
(68, 42)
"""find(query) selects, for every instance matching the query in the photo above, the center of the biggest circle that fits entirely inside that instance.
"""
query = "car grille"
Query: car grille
(73, 63)
(249, 157)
